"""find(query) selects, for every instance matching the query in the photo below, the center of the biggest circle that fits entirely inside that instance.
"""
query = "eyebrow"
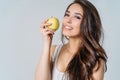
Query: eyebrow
(75, 13)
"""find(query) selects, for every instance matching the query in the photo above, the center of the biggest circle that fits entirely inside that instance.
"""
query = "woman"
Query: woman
(82, 57)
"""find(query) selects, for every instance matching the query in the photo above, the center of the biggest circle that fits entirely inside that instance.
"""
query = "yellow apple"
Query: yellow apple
(54, 23)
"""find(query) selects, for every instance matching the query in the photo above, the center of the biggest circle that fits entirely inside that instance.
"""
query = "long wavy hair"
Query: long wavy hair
(91, 52)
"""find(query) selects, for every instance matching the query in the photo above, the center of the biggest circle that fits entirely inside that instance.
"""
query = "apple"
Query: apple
(54, 23)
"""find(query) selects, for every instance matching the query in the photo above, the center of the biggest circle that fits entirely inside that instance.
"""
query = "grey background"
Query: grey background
(21, 42)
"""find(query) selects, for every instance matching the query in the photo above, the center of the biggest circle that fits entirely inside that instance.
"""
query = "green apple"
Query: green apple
(54, 23)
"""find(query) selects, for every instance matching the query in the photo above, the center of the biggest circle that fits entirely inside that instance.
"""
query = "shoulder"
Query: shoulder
(99, 65)
(99, 70)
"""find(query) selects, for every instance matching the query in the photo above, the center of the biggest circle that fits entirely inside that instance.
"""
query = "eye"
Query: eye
(78, 17)
(66, 14)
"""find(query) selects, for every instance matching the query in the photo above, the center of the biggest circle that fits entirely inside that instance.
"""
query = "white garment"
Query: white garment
(56, 74)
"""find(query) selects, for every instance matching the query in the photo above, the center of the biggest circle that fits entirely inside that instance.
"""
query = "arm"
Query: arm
(43, 71)
(99, 74)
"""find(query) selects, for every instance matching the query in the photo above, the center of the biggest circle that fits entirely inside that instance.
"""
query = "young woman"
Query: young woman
(82, 57)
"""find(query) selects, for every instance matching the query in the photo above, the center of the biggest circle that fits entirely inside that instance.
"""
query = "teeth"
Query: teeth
(68, 27)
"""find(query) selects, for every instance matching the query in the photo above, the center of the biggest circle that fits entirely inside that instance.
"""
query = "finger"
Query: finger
(45, 25)
(48, 29)
(49, 33)
(44, 21)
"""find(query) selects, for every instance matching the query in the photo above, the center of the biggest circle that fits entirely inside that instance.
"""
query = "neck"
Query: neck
(73, 45)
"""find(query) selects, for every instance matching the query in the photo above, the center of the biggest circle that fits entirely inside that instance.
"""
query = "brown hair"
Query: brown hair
(91, 52)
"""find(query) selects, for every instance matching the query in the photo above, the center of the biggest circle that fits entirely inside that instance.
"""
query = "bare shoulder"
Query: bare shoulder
(101, 65)
(98, 74)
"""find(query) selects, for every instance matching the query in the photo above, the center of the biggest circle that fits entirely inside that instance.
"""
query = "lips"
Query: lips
(68, 28)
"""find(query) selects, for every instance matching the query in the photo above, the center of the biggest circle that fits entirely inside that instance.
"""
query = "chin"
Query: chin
(71, 35)
(65, 33)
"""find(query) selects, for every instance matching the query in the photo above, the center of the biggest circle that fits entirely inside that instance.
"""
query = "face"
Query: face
(72, 20)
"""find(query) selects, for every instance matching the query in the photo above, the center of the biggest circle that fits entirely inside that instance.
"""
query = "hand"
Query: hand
(46, 32)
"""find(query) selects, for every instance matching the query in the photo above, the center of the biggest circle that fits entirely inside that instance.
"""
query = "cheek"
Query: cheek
(62, 25)
(64, 21)
(77, 29)
(77, 25)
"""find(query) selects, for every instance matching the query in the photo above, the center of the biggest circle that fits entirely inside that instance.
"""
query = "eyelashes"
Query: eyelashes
(77, 17)
(68, 15)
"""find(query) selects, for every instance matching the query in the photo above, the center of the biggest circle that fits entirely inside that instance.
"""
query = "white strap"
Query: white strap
(56, 52)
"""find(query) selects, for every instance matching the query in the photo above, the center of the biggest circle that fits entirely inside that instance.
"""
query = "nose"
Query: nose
(69, 20)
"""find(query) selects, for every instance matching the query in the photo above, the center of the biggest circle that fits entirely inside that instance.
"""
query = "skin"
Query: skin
(70, 28)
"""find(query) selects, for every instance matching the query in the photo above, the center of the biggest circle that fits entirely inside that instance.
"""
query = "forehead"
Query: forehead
(76, 8)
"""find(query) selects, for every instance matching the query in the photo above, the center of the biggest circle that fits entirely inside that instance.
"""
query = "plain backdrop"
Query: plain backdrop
(21, 42)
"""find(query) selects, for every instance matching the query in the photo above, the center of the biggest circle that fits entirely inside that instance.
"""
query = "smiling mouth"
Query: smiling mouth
(68, 28)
